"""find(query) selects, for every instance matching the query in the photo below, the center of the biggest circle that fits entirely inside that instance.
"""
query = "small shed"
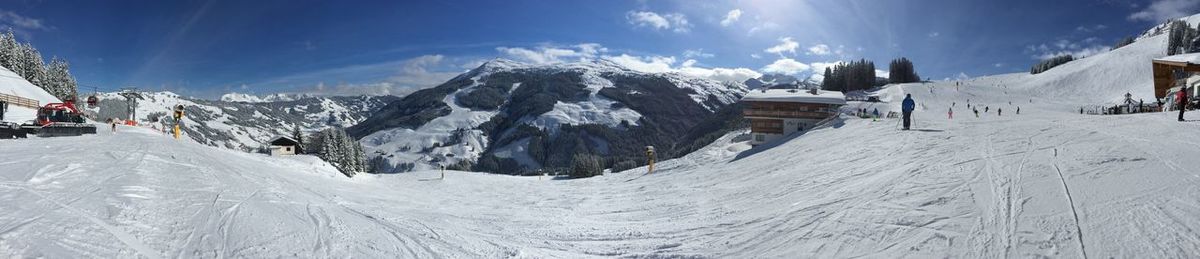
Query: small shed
(283, 146)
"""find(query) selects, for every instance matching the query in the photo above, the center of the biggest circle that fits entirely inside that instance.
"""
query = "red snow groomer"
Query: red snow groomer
(60, 119)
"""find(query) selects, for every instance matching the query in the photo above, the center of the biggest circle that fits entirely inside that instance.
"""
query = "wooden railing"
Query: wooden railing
(19, 101)
(787, 114)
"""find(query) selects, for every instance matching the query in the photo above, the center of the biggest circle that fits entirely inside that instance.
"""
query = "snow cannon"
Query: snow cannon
(178, 115)
(650, 159)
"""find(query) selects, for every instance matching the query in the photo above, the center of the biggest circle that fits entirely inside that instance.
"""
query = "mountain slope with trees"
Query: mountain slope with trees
(514, 118)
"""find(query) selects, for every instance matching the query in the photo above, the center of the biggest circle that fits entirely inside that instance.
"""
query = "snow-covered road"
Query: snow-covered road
(1047, 182)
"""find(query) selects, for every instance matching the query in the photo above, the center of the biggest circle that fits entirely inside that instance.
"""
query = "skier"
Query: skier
(876, 112)
(907, 107)
(1080, 110)
(976, 113)
(1018, 110)
(1182, 100)
(986, 109)
(950, 113)
(999, 111)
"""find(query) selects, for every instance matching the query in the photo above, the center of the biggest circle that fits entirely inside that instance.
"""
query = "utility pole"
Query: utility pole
(131, 96)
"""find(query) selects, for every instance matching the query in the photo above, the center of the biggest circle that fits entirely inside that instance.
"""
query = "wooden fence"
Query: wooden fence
(19, 101)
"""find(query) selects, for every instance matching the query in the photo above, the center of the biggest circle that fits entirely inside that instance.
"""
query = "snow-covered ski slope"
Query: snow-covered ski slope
(1047, 182)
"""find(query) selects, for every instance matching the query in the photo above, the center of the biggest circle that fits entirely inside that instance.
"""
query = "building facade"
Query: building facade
(776, 113)
(282, 146)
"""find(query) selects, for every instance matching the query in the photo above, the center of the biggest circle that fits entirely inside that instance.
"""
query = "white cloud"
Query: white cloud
(766, 25)
(676, 22)
(819, 67)
(547, 54)
(786, 66)
(388, 78)
(820, 49)
(755, 56)
(998, 65)
(731, 17)
(648, 19)
(591, 49)
(18, 21)
(688, 63)
(934, 34)
(651, 64)
(697, 53)
(1086, 29)
(1162, 10)
(786, 44)
(719, 74)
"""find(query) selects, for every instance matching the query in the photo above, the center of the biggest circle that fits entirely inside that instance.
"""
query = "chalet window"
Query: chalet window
(760, 138)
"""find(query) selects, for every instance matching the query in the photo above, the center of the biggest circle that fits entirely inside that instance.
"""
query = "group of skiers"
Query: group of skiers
(862, 113)
(908, 105)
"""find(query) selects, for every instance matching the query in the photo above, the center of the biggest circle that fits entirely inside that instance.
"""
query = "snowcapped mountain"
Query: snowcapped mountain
(250, 98)
(511, 117)
(244, 125)
(780, 81)
(769, 80)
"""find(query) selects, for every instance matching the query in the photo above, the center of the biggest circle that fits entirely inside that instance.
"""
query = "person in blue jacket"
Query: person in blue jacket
(907, 107)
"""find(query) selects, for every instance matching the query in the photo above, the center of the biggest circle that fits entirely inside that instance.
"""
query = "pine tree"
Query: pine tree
(296, 134)
(341, 151)
(8, 50)
(26, 61)
(825, 82)
(1050, 63)
(901, 71)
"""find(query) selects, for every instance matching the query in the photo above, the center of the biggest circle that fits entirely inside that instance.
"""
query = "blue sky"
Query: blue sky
(206, 48)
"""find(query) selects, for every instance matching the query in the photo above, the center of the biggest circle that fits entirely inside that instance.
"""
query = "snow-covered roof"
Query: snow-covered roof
(796, 95)
(1193, 58)
(286, 141)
